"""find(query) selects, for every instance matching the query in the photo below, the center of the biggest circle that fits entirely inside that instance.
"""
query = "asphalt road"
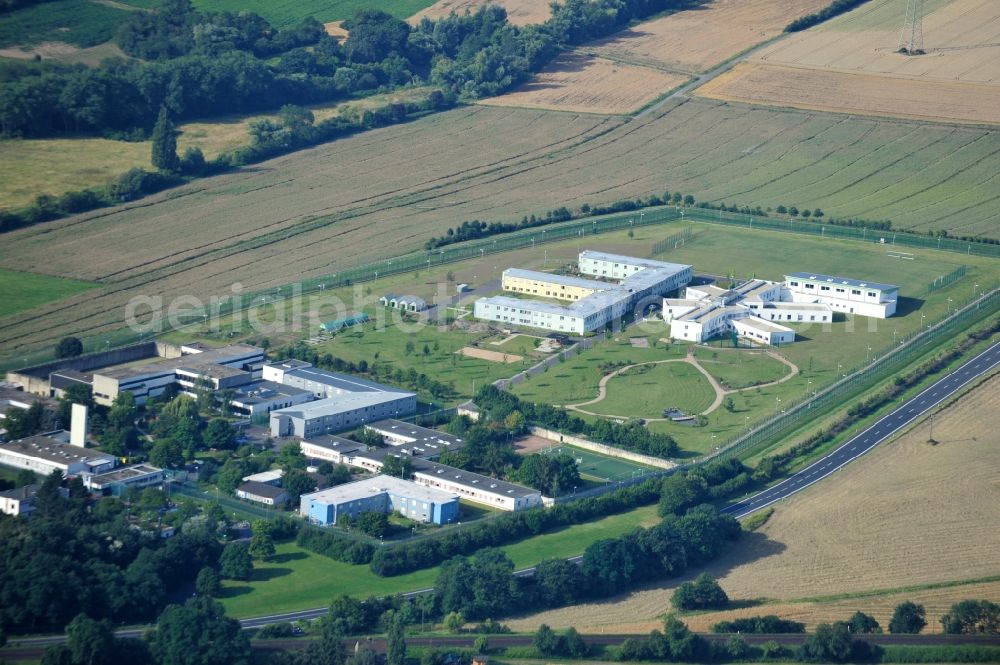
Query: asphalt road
(882, 429)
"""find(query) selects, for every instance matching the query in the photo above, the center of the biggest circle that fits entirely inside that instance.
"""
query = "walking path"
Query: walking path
(720, 392)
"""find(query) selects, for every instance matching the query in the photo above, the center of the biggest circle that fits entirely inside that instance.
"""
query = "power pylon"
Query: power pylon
(911, 38)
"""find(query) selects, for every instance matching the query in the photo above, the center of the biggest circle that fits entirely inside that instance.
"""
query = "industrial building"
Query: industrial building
(381, 494)
(624, 282)
(843, 294)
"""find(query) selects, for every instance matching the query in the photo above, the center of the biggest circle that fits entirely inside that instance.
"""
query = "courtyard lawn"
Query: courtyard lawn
(296, 579)
(522, 345)
(735, 369)
(577, 379)
(20, 291)
(645, 391)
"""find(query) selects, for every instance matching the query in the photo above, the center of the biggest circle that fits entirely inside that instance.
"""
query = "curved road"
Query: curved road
(876, 433)
(882, 429)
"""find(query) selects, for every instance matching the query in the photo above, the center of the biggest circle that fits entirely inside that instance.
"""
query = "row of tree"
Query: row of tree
(485, 586)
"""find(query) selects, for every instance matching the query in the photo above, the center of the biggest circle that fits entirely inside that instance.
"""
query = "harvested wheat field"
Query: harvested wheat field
(383, 192)
(694, 40)
(907, 514)
(585, 84)
(850, 64)
(841, 92)
(520, 12)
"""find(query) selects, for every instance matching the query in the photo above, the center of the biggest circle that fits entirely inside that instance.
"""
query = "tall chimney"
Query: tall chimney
(78, 428)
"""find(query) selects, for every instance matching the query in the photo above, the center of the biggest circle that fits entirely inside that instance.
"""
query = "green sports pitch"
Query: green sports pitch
(594, 466)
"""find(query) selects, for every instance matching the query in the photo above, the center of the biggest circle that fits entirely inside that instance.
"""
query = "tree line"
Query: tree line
(498, 404)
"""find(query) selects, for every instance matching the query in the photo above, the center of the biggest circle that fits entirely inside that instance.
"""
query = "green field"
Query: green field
(81, 23)
(21, 291)
(740, 369)
(297, 579)
(644, 391)
(597, 466)
(522, 345)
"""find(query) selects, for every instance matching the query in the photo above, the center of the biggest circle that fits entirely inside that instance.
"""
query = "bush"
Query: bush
(273, 631)
(766, 625)
(702, 594)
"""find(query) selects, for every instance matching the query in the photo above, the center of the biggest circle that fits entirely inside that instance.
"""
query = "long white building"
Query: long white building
(623, 282)
(843, 294)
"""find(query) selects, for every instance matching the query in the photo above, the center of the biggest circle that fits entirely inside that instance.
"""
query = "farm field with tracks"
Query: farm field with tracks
(869, 537)
(693, 40)
(582, 83)
(850, 65)
(520, 12)
(384, 192)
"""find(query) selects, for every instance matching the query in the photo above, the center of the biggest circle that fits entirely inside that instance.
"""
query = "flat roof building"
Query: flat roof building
(117, 481)
(43, 454)
(342, 412)
(270, 477)
(19, 501)
(226, 367)
(415, 440)
(261, 397)
(380, 494)
(750, 310)
(329, 448)
(592, 303)
(843, 294)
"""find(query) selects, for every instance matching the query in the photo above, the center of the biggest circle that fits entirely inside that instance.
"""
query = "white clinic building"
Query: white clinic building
(843, 294)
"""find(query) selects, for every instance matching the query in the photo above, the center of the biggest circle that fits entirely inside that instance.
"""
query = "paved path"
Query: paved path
(884, 428)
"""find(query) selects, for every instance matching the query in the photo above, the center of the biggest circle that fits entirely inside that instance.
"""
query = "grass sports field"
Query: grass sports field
(599, 467)
(22, 291)
(297, 579)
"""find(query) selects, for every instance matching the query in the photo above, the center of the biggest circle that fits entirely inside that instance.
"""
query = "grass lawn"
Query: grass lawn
(576, 380)
(298, 579)
(597, 466)
(78, 22)
(740, 369)
(522, 345)
(20, 290)
(646, 390)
